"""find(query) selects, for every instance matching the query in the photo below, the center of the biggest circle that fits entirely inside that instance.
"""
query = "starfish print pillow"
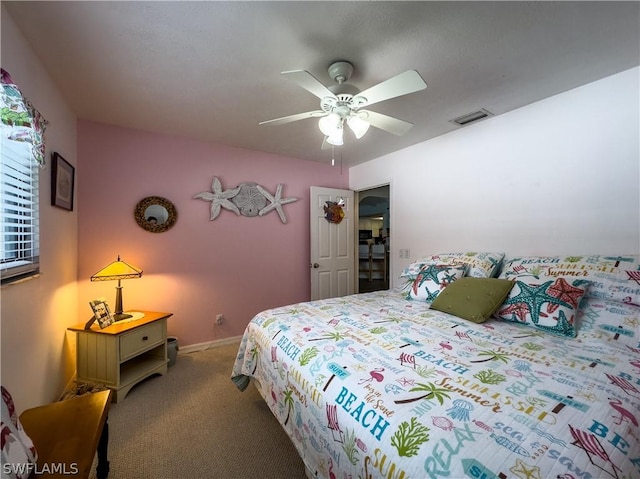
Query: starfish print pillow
(547, 303)
(431, 279)
(614, 278)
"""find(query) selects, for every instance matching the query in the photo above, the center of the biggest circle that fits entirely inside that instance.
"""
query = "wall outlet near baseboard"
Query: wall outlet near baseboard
(219, 318)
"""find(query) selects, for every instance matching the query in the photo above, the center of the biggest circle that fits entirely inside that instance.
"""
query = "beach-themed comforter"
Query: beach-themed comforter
(376, 386)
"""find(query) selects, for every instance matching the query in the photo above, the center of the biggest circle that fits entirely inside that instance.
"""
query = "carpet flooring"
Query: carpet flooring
(194, 423)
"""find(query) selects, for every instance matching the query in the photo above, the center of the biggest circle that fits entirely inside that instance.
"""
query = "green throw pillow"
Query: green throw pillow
(475, 299)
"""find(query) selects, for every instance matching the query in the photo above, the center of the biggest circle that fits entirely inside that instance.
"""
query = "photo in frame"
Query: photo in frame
(101, 312)
(62, 182)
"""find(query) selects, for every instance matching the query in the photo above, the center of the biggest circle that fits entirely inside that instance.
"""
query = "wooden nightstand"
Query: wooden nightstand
(123, 354)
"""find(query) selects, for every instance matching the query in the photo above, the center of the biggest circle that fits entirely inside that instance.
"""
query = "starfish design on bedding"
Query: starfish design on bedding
(429, 272)
(563, 324)
(275, 202)
(565, 292)
(525, 471)
(448, 279)
(519, 310)
(431, 296)
(406, 381)
(534, 296)
(219, 198)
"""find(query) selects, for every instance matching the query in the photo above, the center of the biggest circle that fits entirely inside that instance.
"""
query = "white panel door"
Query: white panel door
(332, 245)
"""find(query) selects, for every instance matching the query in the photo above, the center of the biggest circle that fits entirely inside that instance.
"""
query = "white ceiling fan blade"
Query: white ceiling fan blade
(310, 83)
(387, 123)
(403, 84)
(296, 117)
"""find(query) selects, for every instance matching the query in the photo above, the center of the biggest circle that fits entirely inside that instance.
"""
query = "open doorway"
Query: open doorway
(373, 239)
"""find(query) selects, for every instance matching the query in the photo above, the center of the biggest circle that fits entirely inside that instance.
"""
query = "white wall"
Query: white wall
(560, 176)
(37, 360)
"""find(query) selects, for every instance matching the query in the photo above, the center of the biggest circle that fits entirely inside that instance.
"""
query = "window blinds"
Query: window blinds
(20, 249)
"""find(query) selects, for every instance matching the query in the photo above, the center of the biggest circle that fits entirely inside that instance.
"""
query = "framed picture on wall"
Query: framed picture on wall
(62, 182)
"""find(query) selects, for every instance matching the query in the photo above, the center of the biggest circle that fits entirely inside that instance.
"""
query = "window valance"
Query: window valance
(19, 120)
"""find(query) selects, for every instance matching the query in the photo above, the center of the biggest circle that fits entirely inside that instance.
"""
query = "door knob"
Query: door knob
(316, 265)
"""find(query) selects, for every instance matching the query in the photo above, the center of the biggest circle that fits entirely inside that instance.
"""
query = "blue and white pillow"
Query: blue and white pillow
(479, 265)
(549, 304)
(431, 279)
(614, 278)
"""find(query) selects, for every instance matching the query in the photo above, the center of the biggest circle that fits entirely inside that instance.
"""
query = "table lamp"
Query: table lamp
(118, 270)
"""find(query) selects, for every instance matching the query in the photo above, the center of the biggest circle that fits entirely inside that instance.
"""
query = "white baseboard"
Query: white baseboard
(192, 348)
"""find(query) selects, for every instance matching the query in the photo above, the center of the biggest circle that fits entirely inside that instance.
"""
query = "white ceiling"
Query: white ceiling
(211, 70)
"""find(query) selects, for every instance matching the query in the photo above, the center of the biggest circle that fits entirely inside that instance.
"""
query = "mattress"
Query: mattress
(376, 386)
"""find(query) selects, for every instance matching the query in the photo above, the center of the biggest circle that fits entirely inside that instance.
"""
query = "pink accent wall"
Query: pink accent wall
(234, 265)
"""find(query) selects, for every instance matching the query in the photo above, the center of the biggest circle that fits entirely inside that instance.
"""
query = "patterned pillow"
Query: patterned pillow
(547, 303)
(17, 447)
(614, 278)
(432, 279)
(480, 265)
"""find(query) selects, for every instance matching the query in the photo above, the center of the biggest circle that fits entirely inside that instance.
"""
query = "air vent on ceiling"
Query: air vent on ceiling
(463, 120)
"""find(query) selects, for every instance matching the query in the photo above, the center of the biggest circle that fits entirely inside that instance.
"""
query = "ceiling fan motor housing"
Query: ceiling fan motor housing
(342, 102)
(340, 72)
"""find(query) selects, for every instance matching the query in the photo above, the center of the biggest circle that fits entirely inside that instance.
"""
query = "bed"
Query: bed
(539, 379)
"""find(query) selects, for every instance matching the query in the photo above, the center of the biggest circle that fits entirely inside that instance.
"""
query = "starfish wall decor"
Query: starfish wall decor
(247, 199)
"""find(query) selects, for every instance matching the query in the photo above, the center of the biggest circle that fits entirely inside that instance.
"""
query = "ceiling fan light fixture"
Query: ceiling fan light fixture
(358, 126)
(335, 138)
(330, 123)
(341, 103)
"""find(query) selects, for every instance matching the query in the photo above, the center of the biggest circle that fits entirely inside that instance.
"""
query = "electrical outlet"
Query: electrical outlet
(405, 253)
(219, 318)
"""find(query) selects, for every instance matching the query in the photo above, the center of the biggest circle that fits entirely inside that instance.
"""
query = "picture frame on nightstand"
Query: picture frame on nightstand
(101, 312)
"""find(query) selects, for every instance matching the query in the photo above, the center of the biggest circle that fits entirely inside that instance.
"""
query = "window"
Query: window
(19, 223)
(22, 154)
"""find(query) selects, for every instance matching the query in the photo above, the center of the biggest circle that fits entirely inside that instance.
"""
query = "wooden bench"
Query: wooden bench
(68, 433)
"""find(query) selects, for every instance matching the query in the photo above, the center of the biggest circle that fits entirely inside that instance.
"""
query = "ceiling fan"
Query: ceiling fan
(343, 103)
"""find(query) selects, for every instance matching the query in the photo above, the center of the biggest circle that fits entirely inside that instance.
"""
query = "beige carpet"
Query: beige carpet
(194, 423)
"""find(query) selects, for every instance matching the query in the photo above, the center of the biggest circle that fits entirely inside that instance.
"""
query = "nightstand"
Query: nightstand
(123, 354)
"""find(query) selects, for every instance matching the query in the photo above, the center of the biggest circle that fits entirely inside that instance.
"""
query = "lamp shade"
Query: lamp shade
(335, 138)
(117, 270)
(330, 123)
(358, 125)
